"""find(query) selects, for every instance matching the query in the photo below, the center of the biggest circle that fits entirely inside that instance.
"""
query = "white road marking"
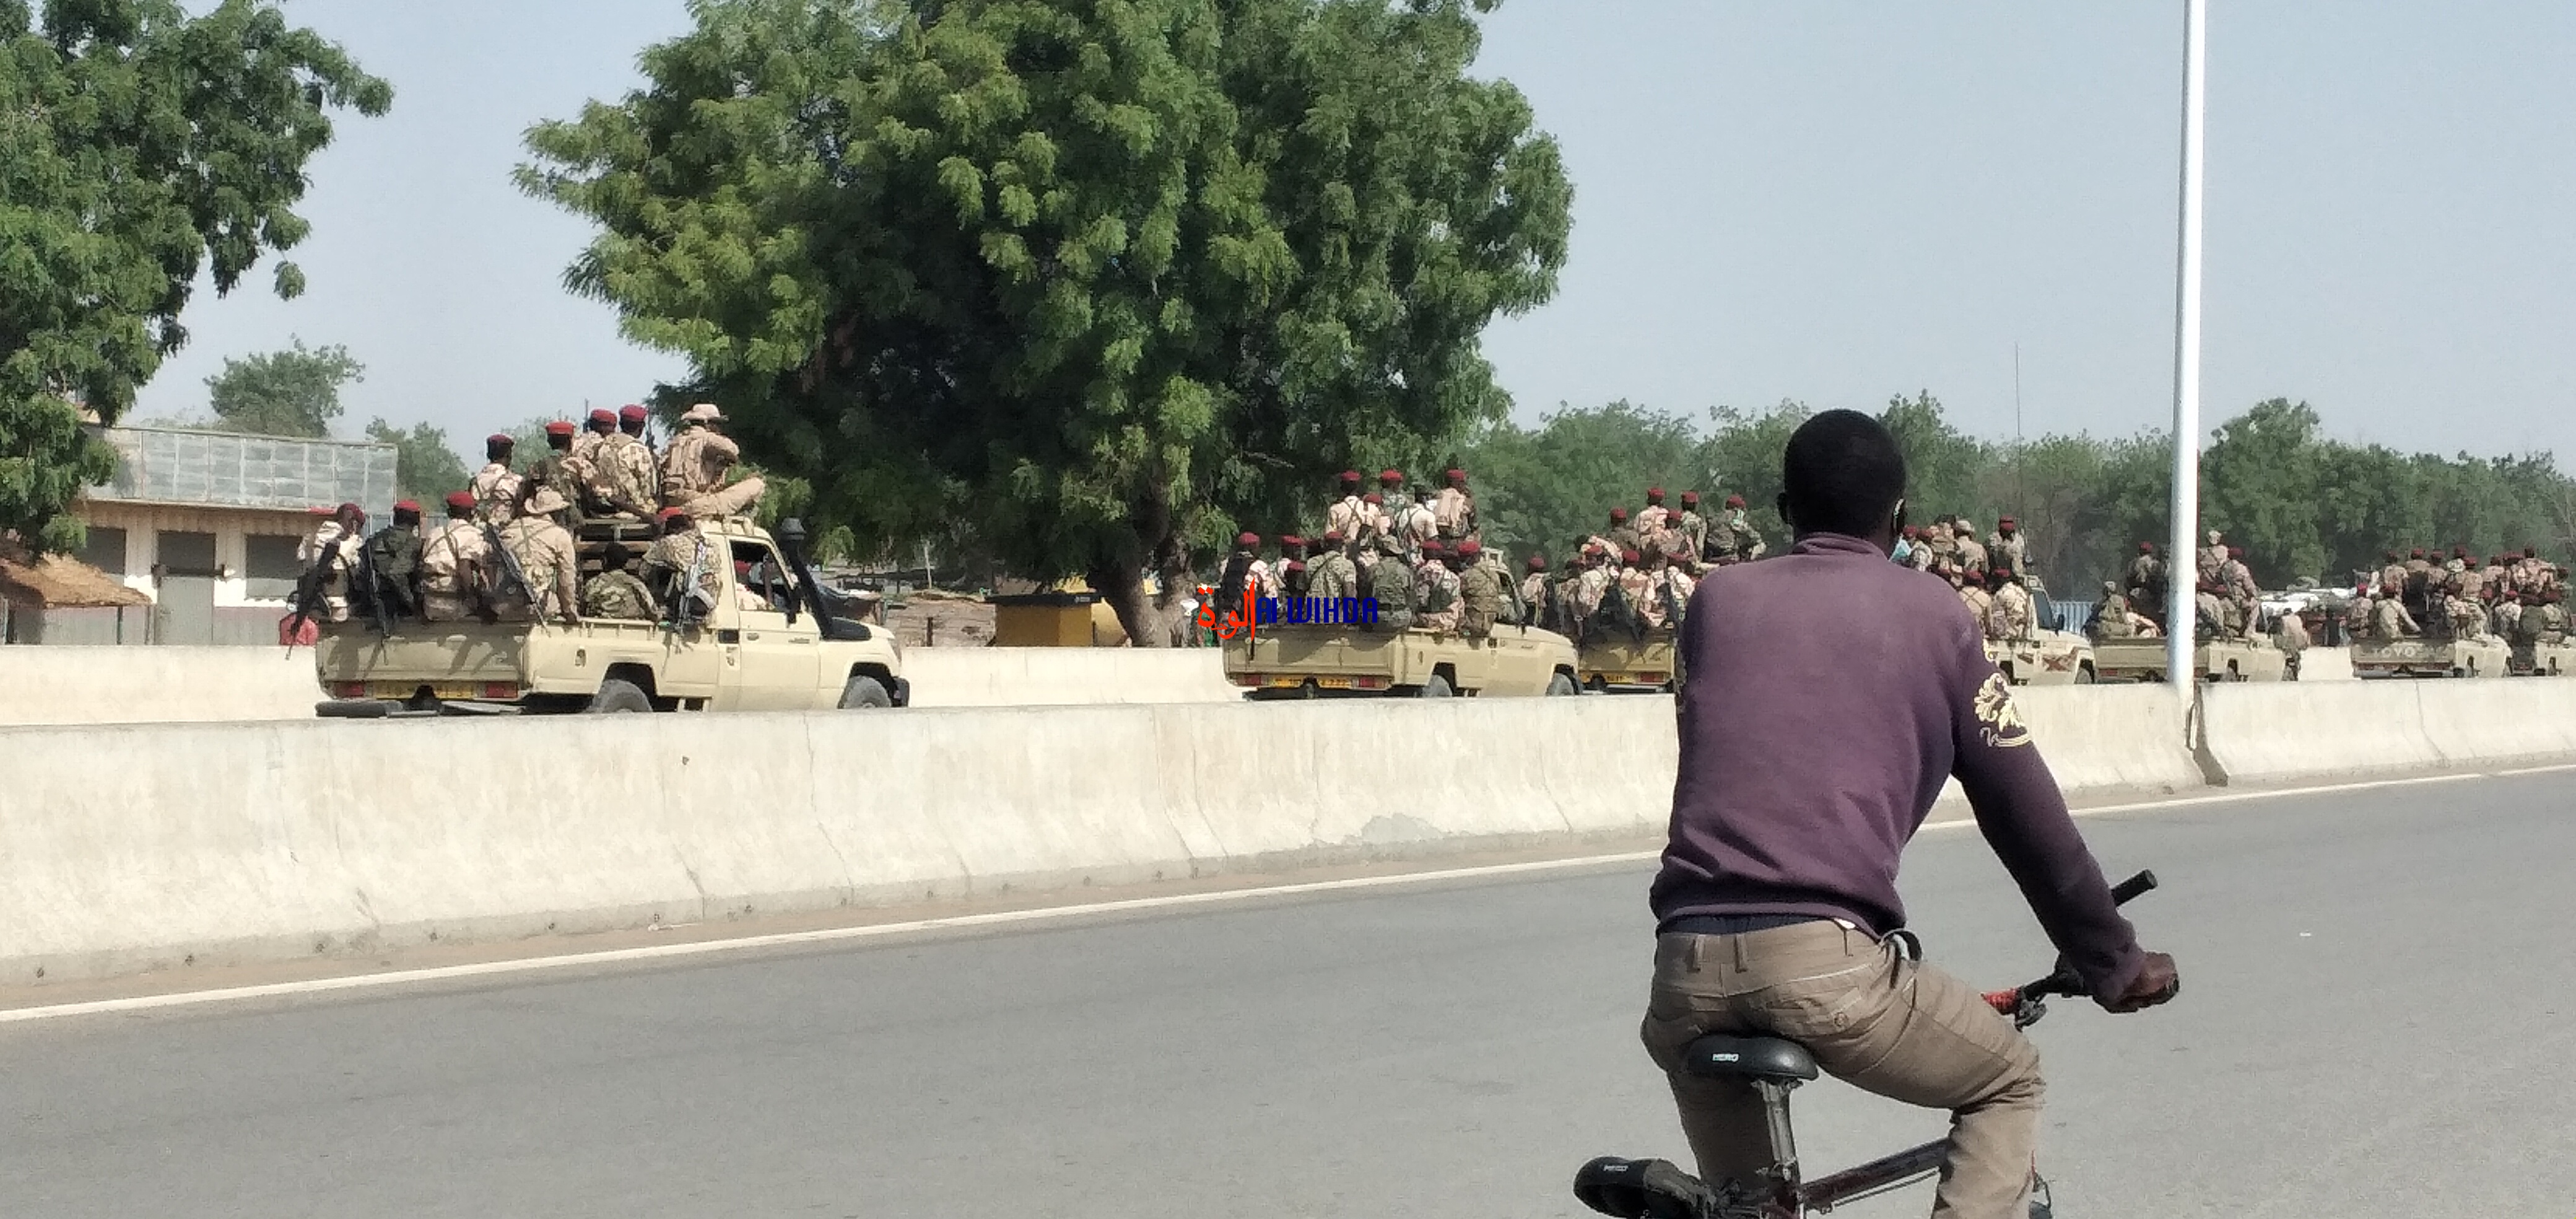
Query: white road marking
(656, 952)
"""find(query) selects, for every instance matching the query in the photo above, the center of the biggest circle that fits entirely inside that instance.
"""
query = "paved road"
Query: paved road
(2377, 1023)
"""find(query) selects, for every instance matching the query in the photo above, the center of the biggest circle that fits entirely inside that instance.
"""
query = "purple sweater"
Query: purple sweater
(1828, 693)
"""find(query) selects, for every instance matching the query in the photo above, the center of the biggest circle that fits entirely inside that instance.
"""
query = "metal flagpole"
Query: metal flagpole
(2181, 557)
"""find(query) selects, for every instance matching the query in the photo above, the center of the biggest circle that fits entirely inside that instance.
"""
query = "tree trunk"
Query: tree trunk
(1150, 620)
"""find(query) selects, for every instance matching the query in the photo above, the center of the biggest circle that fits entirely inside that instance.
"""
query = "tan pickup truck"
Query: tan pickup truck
(2048, 658)
(1613, 662)
(2431, 656)
(2143, 659)
(1321, 661)
(777, 643)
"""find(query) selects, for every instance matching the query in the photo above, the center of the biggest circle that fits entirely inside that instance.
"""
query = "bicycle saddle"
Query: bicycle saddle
(1749, 1058)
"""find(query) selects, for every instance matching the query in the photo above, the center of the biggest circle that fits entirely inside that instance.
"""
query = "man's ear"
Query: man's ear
(1896, 522)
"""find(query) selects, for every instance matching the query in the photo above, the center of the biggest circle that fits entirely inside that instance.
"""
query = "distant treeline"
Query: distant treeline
(2300, 503)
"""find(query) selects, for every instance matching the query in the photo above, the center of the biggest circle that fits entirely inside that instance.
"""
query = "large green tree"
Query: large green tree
(295, 392)
(139, 147)
(1104, 278)
(426, 466)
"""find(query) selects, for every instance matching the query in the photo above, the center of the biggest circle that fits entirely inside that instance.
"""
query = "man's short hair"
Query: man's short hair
(1842, 473)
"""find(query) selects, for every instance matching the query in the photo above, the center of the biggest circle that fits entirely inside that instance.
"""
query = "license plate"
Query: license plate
(1334, 683)
(1617, 679)
(1286, 683)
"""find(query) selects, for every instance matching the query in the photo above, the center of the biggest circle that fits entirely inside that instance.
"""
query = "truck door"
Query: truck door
(775, 666)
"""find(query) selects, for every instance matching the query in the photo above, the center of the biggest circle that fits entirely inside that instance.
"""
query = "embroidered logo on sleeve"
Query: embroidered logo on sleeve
(1997, 717)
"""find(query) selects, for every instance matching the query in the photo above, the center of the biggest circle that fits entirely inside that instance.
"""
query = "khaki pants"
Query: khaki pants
(731, 501)
(1872, 1019)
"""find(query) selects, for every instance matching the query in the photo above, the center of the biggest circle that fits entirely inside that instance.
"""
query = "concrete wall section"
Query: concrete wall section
(130, 685)
(1018, 677)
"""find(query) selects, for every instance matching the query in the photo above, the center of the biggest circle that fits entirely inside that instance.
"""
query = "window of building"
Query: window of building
(269, 566)
(105, 549)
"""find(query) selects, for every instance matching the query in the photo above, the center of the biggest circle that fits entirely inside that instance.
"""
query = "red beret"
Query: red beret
(1470, 546)
(1653, 494)
(1372, 498)
(632, 413)
(1628, 556)
(603, 417)
(1390, 476)
(559, 427)
(2150, 548)
(1433, 546)
(1735, 501)
(1538, 562)
(499, 438)
(1333, 536)
(1296, 565)
(1350, 476)
(2419, 553)
(2002, 521)
(462, 501)
(1618, 514)
(1290, 539)
(405, 505)
(1455, 474)
(1690, 497)
(668, 513)
(1247, 539)
(346, 509)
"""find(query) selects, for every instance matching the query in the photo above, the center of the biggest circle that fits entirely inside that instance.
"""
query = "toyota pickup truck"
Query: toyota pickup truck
(1312, 661)
(2143, 659)
(2431, 656)
(779, 641)
(1614, 662)
(2048, 658)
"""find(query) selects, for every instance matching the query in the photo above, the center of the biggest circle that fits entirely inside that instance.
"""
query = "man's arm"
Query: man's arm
(2024, 819)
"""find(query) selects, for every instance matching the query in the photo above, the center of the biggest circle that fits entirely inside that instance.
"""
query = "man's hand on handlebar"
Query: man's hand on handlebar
(2156, 983)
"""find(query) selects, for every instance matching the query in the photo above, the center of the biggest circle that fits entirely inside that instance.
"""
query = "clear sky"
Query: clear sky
(1774, 199)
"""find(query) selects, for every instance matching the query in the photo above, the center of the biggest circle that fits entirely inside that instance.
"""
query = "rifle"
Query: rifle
(511, 572)
(677, 615)
(308, 591)
(1672, 604)
(373, 586)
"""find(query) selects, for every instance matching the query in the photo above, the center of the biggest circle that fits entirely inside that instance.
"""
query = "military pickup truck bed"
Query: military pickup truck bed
(1622, 664)
(2217, 659)
(2430, 657)
(770, 645)
(1324, 661)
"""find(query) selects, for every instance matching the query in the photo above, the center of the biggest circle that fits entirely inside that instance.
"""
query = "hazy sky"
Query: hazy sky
(1785, 199)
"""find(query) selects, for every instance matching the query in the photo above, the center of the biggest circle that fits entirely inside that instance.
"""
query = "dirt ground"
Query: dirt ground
(942, 620)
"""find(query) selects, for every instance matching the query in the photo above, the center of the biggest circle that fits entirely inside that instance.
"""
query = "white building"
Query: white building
(207, 523)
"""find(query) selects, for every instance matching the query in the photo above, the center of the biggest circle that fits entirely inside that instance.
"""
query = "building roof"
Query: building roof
(59, 582)
(157, 465)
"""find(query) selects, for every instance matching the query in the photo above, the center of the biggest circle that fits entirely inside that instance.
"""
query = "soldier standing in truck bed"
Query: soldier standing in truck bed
(546, 560)
(1332, 575)
(1537, 594)
(495, 486)
(452, 558)
(1348, 515)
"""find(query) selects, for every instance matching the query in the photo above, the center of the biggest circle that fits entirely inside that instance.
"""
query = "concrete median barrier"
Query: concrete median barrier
(2261, 734)
(1026, 677)
(144, 846)
(132, 685)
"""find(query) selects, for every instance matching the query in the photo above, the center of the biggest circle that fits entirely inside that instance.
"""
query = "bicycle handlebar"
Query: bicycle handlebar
(2064, 981)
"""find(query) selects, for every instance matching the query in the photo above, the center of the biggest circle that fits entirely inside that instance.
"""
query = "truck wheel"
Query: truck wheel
(2085, 676)
(1559, 685)
(1436, 686)
(616, 695)
(864, 692)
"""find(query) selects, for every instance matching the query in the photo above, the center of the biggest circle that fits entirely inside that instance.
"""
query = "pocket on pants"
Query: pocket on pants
(1821, 1007)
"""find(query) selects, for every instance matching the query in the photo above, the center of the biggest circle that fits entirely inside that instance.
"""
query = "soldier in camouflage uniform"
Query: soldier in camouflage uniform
(1622, 535)
(1332, 575)
(2389, 619)
(1971, 559)
(557, 470)
(1436, 589)
(1536, 593)
(1743, 540)
(680, 551)
(1481, 594)
(2009, 613)
(1453, 511)
(1389, 581)
(546, 560)
(1348, 514)
(495, 487)
(452, 558)
(615, 592)
(2244, 597)
(2111, 616)
(2008, 549)
(1693, 527)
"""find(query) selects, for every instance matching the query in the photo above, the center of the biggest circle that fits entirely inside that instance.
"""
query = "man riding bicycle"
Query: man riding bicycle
(1830, 693)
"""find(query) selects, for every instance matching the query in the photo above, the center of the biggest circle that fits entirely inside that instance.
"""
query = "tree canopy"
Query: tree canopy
(2301, 504)
(1104, 280)
(426, 466)
(295, 392)
(139, 146)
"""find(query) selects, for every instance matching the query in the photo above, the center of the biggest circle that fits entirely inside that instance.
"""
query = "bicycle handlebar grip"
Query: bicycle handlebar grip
(2132, 887)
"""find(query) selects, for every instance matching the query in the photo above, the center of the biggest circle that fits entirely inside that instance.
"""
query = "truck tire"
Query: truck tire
(862, 692)
(618, 695)
(1436, 686)
(1559, 685)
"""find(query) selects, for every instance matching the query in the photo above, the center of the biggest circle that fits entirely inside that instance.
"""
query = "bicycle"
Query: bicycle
(1655, 1189)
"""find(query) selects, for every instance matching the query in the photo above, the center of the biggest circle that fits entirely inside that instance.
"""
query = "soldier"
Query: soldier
(2392, 576)
(2530, 567)
(1680, 583)
(602, 425)
(681, 567)
(1537, 593)
(1333, 576)
(1621, 535)
(2243, 596)
(2216, 614)
(2389, 619)
(1643, 584)
(2458, 562)
(2147, 581)
(694, 468)
(1435, 589)
(1480, 591)
(2111, 616)
(625, 476)
(1694, 527)
(1374, 523)
(1971, 593)
(1288, 576)
(2292, 638)
(2008, 616)
(330, 562)
(2356, 615)
(1454, 510)
(631, 419)
(615, 592)
(2213, 556)
(2467, 620)
(2416, 563)
(546, 560)
(1421, 525)
(1972, 555)
(1349, 514)
(393, 557)
(1491, 558)
(495, 487)
(1941, 543)
(557, 470)
(1745, 539)
(1636, 593)
(2551, 618)
(1390, 584)
(1592, 586)
(452, 580)
(2008, 549)
(1654, 524)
